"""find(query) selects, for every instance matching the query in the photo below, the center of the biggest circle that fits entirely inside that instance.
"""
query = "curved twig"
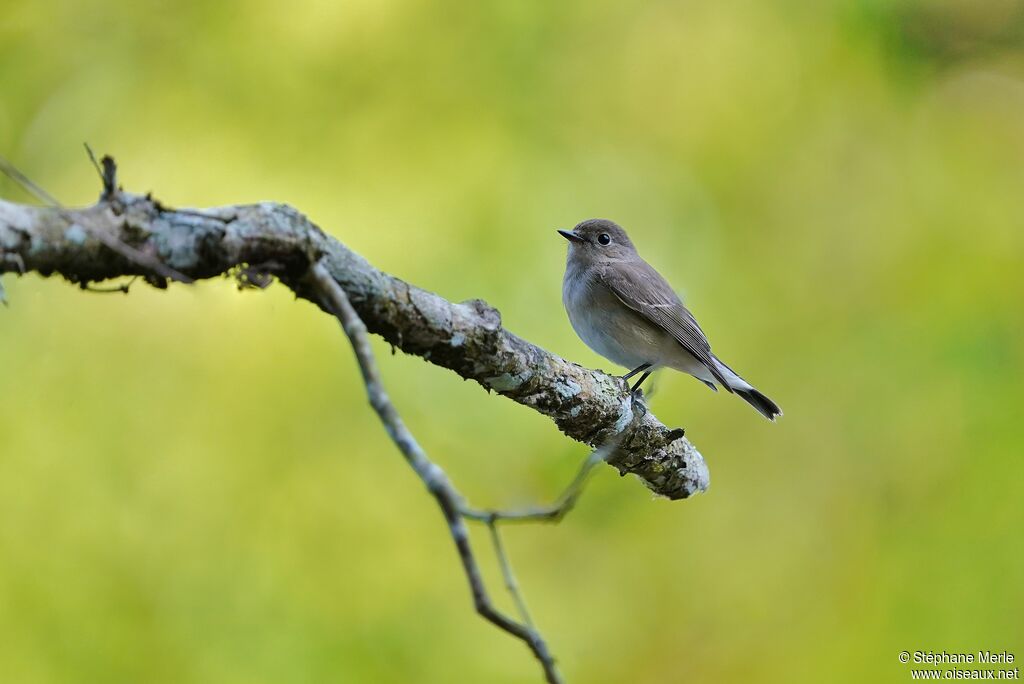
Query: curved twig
(437, 483)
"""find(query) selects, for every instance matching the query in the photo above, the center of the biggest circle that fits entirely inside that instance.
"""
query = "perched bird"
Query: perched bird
(625, 311)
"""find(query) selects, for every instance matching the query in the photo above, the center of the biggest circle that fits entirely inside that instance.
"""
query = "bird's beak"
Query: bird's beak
(570, 236)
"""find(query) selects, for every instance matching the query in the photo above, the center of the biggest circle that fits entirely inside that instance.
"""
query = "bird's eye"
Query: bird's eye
(604, 238)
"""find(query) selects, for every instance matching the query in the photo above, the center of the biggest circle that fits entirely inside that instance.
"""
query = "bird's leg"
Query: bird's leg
(641, 367)
(636, 386)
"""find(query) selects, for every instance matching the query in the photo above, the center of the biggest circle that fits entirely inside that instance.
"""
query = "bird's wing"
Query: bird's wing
(643, 290)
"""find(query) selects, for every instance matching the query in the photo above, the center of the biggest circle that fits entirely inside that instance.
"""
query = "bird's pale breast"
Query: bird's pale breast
(609, 327)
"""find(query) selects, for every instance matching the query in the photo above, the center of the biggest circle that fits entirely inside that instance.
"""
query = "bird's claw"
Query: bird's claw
(637, 401)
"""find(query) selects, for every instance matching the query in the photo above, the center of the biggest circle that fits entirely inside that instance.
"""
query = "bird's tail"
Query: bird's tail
(765, 406)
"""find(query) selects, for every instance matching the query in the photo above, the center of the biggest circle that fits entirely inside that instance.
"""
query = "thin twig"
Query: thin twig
(547, 514)
(100, 289)
(27, 183)
(448, 498)
(555, 511)
(95, 165)
(506, 572)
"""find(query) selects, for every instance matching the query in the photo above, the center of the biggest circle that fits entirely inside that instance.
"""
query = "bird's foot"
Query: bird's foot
(674, 434)
(636, 398)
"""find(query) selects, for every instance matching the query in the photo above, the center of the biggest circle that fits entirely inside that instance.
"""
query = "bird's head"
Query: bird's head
(597, 240)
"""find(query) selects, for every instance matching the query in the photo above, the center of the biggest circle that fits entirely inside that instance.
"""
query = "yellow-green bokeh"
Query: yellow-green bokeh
(193, 489)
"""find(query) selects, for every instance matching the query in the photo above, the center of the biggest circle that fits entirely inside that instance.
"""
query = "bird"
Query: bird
(627, 312)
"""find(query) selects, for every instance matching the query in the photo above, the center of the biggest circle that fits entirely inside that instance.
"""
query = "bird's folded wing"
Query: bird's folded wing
(642, 289)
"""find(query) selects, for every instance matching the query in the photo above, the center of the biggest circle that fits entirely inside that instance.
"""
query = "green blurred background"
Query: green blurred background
(193, 489)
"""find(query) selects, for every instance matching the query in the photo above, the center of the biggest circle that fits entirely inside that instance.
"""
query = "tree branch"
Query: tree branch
(132, 235)
(129, 235)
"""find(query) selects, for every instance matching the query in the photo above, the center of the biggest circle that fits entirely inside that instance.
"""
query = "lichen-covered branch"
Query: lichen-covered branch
(274, 239)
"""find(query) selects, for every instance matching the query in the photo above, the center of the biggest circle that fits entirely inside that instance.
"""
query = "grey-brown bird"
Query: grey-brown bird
(625, 311)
